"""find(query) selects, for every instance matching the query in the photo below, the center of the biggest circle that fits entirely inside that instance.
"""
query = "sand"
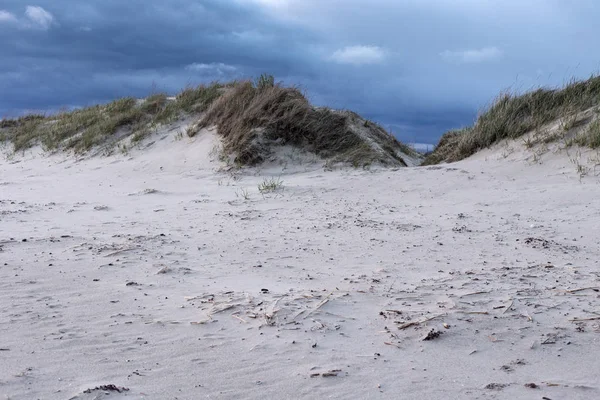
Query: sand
(160, 273)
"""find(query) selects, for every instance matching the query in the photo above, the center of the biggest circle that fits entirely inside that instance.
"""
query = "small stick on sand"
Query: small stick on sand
(473, 312)
(114, 253)
(339, 316)
(297, 315)
(413, 323)
(204, 296)
(585, 319)
(474, 293)
(241, 319)
(220, 308)
(595, 288)
(272, 309)
(512, 301)
(392, 285)
(321, 304)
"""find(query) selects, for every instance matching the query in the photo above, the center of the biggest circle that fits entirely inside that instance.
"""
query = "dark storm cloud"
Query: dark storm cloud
(100, 50)
(419, 67)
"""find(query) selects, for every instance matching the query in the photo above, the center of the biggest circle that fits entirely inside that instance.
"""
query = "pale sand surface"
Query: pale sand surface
(495, 248)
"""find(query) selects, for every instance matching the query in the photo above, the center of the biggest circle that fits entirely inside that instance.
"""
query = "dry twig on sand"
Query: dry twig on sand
(220, 308)
(585, 319)
(473, 312)
(512, 301)
(241, 319)
(392, 344)
(114, 253)
(321, 304)
(414, 323)
(594, 288)
(472, 294)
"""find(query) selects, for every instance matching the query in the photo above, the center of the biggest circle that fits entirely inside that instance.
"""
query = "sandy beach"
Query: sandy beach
(158, 275)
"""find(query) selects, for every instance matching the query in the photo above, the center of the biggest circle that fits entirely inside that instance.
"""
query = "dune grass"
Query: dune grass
(252, 116)
(510, 116)
(590, 137)
(83, 129)
(270, 185)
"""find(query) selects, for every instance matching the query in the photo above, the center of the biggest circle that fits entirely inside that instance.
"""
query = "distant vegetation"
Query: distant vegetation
(251, 117)
(511, 116)
(81, 130)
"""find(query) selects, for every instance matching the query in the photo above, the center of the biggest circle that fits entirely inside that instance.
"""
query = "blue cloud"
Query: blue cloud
(419, 67)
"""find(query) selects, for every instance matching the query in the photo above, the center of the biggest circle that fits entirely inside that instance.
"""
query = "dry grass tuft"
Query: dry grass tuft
(253, 117)
(511, 116)
(155, 103)
(445, 148)
(591, 136)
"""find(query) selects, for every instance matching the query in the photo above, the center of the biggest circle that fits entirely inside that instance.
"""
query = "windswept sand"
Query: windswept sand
(153, 273)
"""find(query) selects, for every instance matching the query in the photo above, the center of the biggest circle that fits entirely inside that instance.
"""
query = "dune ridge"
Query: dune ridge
(253, 119)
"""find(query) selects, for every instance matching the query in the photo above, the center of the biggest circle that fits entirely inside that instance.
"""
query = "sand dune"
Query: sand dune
(161, 275)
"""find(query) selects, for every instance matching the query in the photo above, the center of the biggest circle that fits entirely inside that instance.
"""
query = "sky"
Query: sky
(417, 67)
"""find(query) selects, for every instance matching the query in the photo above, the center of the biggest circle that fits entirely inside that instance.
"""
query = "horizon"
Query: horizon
(459, 57)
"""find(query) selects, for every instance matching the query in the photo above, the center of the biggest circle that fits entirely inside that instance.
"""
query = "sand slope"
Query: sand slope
(153, 272)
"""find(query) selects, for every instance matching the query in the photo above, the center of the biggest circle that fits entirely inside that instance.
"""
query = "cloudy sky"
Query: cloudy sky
(418, 67)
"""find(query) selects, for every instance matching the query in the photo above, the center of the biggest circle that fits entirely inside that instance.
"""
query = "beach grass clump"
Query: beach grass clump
(512, 115)
(253, 116)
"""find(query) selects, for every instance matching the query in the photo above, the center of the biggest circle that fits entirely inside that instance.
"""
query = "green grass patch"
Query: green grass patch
(270, 185)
